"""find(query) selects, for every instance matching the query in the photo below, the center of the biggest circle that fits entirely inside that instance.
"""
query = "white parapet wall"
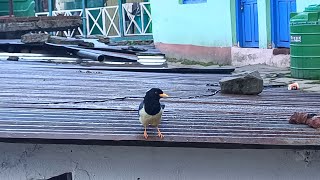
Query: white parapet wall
(35, 162)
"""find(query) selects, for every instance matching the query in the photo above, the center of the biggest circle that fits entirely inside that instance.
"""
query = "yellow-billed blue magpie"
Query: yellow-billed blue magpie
(150, 110)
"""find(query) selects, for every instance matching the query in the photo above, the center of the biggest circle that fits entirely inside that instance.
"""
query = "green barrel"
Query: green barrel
(20, 7)
(305, 43)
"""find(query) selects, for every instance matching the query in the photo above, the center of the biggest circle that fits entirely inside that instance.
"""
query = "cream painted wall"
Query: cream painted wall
(204, 24)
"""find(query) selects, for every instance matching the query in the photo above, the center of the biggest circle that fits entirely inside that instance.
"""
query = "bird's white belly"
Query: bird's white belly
(147, 119)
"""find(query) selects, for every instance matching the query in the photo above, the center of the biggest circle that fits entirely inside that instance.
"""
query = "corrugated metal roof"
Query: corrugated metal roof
(38, 101)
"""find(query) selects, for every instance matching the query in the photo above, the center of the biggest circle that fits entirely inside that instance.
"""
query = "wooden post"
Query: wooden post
(11, 11)
(50, 7)
(121, 17)
(50, 10)
(84, 19)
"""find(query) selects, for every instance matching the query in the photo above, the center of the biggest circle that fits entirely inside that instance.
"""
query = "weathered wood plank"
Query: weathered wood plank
(49, 23)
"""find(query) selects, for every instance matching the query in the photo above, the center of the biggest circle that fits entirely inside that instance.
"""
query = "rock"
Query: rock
(13, 58)
(104, 40)
(247, 84)
(63, 40)
(70, 41)
(35, 38)
(86, 44)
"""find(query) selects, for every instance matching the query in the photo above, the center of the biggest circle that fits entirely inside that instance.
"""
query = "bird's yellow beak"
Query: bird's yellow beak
(163, 95)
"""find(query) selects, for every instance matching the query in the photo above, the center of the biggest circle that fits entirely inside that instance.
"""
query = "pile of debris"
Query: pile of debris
(96, 49)
(35, 39)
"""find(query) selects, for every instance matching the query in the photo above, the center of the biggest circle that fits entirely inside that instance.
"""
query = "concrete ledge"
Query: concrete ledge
(225, 55)
(217, 55)
(250, 56)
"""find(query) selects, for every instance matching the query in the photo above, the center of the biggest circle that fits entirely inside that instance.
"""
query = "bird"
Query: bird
(150, 110)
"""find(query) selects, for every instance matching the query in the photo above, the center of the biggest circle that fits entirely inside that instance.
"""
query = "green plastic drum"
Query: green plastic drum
(305, 43)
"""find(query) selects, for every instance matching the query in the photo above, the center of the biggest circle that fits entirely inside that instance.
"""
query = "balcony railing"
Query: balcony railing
(106, 20)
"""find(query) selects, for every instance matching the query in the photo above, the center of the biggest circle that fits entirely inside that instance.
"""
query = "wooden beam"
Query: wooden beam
(50, 23)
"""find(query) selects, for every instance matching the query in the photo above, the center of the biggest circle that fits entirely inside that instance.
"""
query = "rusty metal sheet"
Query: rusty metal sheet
(45, 102)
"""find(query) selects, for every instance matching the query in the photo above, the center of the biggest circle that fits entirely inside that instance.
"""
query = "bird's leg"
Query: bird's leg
(145, 135)
(159, 133)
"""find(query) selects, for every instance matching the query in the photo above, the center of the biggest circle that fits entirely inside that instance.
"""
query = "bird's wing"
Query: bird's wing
(162, 106)
(140, 107)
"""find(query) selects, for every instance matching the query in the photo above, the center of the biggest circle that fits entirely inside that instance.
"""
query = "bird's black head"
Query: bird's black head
(155, 94)
(152, 105)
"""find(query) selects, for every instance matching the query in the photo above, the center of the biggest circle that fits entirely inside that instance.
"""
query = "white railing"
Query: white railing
(107, 17)
(139, 21)
(106, 20)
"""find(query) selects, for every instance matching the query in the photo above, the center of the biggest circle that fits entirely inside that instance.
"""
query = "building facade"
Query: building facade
(238, 32)
(198, 31)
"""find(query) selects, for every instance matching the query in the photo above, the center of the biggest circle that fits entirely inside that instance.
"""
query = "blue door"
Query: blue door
(248, 22)
(281, 21)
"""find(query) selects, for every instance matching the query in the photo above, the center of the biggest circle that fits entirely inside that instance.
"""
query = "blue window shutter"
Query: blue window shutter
(193, 1)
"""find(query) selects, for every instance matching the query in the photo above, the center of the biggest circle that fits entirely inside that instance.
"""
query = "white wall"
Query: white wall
(302, 4)
(26, 162)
